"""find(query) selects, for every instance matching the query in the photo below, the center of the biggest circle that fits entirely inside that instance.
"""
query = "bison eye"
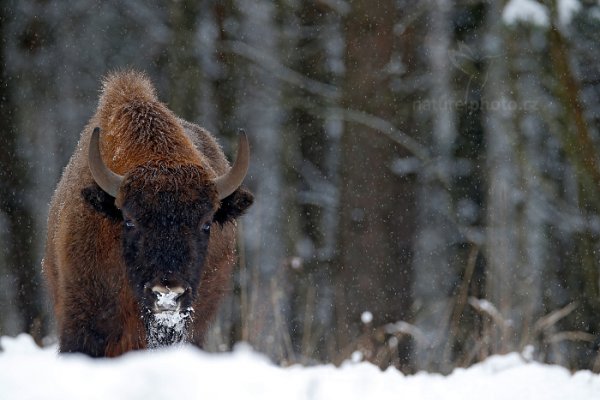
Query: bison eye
(206, 227)
(129, 224)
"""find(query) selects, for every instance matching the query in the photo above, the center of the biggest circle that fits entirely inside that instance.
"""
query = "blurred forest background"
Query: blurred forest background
(426, 172)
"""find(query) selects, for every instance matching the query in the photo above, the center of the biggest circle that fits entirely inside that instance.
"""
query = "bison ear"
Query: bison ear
(233, 206)
(102, 202)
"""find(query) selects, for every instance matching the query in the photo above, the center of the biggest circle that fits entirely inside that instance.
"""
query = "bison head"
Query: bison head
(166, 213)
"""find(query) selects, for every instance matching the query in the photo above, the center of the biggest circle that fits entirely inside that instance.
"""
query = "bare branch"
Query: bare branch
(574, 336)
(279, 70)
(385, 127)
(487, 308)
(552, 318)
(404, 328)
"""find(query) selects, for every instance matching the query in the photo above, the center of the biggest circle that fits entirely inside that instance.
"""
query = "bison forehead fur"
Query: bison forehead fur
(162, 227)
(182, 193)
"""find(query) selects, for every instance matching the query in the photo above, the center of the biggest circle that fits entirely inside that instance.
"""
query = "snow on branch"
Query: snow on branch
(486, 307)
(404, 328)
(527, 11)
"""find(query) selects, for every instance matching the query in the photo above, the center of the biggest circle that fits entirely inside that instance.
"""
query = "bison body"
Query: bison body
(140, 227)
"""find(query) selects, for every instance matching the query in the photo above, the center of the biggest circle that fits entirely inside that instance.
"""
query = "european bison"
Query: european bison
(141, 229)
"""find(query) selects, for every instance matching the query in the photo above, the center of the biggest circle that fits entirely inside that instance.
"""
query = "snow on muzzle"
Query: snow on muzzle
(168, 319)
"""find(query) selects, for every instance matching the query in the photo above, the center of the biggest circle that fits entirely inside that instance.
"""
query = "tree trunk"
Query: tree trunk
(183, 65)
(267, 313)
(583, 276)
(20, 257)
(376, 206)
(434, 274)
(313, 152)
(512, 284)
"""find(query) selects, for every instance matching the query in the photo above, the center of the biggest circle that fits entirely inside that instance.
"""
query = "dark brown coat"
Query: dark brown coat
(96, 307)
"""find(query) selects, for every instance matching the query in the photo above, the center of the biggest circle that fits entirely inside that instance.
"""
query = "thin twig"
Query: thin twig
(574, 336)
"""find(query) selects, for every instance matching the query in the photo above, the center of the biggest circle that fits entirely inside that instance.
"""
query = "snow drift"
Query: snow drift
(27, 372)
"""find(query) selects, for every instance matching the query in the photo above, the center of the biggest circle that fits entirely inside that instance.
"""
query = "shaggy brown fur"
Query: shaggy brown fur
(97, 309)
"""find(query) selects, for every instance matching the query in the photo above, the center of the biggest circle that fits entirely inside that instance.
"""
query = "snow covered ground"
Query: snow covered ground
(27, 372)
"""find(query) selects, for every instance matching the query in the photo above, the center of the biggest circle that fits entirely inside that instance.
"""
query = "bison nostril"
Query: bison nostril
(167, 298)
(166, 289)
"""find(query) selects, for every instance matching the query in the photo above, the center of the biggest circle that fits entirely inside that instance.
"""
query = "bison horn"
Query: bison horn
(104, 177)
(229, 182)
